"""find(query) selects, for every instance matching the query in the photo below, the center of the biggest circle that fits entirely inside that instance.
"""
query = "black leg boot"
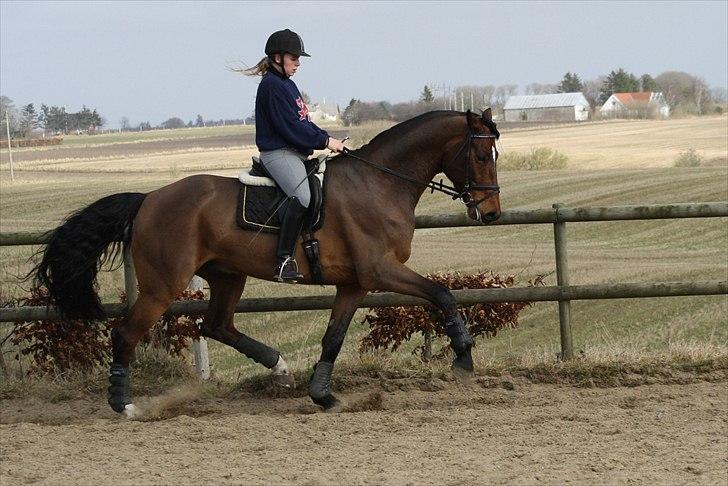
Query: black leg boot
(287, 269)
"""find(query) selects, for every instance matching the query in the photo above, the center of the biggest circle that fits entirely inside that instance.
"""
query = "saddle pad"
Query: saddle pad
(257, 205)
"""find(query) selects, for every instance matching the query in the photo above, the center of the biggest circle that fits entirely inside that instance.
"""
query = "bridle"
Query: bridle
(465, 195)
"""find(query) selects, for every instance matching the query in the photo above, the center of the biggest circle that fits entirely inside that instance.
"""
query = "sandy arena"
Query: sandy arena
(494, 430)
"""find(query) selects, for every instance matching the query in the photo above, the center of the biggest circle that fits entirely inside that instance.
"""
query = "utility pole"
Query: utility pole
(10, 149)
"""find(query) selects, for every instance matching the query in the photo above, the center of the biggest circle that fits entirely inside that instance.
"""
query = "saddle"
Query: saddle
(261, 202)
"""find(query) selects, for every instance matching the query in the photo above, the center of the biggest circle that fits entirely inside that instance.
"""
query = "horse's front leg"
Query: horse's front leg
(396, 277)
(347, 300)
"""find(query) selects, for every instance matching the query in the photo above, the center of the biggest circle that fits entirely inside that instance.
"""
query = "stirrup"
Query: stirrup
(287, 271)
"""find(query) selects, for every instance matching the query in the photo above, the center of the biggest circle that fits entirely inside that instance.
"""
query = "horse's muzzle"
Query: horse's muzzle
(490, 217)
(477, 215)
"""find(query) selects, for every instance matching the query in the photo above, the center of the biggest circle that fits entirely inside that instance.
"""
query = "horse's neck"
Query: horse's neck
(415, 155)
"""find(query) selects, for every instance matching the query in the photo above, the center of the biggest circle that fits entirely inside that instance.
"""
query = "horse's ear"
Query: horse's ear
(488, 114)
(471, 117)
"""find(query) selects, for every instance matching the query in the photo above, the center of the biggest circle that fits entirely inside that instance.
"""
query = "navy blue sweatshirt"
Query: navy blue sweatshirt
(281, 117)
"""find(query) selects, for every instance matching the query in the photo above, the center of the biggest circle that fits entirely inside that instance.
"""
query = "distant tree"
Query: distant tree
(144, 126)
(502, 93)
(482, 96)
(56, 119)
(685, 92)
(43, 116)
(359, 111)
(351, 116)
(190, 124)
(426, 96)
(28, 119)
(404, 111)
(305, 97)
(7, 107)
(719, 94)
(648, 84)
(592, 89)
(571, 83)
(538, 88)
(124, 124)
(199, 122)
(619, 81)
(173, 122)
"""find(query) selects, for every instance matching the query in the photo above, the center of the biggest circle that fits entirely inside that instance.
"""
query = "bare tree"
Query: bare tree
(502, 93)
(539, 88)
(592, 89)
(685, 92)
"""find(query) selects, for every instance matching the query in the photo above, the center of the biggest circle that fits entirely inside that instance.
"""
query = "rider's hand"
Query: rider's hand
(335, 145)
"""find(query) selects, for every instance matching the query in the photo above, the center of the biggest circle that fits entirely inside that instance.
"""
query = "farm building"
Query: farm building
(635, 105)
(547, 107)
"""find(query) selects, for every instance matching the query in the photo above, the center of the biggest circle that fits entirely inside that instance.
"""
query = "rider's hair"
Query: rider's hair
(258, 70)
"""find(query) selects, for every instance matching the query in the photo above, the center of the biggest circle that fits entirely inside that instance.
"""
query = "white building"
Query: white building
(635, 105)
(547, 107)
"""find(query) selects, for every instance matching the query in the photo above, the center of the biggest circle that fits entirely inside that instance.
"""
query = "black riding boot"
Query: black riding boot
(292, 221)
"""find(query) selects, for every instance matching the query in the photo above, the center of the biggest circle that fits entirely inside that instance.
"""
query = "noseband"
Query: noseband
(465, 196)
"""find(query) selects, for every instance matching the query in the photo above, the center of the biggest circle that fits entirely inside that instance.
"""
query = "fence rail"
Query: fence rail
(563, 293)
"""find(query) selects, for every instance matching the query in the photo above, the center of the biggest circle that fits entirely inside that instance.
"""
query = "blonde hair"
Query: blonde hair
(258, 70)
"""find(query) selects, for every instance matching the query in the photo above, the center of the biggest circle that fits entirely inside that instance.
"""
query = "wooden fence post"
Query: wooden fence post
(199, 346)
(562, 280)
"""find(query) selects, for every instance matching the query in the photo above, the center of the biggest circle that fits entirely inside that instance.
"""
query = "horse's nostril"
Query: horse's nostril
(492, 216)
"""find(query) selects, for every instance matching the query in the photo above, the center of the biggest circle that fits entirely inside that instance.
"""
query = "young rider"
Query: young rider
(285, 137)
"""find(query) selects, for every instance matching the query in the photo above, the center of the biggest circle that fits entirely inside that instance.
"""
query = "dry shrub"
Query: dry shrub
(63, 344)
(689, 158)
(539, 158)
(391, 326)
(33, 142)
(59, 344)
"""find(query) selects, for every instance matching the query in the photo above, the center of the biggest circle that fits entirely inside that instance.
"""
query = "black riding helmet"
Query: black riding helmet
(285, 41)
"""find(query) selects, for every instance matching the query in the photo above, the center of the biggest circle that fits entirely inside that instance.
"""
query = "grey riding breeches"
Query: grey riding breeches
(287, 169)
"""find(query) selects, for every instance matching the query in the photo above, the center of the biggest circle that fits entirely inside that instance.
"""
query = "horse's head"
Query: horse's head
(472, 168)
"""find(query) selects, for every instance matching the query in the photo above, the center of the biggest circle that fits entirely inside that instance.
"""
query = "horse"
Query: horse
(188, 228)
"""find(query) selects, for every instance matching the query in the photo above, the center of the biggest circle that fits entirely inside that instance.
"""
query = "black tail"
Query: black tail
(78, 248)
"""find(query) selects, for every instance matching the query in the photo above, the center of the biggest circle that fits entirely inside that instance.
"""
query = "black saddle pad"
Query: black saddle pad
(260, 207)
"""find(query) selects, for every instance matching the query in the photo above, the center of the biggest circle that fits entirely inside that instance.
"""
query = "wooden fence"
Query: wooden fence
(563, 293)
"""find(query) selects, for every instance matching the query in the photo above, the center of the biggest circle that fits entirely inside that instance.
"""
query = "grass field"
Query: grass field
(610, 163)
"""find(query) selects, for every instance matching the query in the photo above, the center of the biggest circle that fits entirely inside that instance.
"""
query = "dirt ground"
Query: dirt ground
(493, 430)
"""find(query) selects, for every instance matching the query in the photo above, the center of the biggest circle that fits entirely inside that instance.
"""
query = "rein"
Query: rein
(451, 191)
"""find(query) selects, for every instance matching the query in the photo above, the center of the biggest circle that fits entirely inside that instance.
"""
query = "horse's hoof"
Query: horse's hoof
(285, 380)
(463, 362)
(130, 411)
(462, 376)
(328, 402)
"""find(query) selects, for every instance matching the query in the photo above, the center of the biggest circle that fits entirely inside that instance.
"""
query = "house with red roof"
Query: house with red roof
(635, 105)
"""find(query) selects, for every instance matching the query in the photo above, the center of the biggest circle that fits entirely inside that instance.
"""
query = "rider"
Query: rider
(285, 137)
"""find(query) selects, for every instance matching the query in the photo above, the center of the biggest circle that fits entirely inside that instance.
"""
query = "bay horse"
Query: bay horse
(188, 228)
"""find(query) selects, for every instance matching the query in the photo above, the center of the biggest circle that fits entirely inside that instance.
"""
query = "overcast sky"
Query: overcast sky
(154, 60)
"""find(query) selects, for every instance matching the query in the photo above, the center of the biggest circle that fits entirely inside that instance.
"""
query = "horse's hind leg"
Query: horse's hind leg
(144, 313)
(225, 292)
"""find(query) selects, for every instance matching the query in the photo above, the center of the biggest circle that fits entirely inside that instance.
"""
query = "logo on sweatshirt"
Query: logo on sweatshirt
(303, 113)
